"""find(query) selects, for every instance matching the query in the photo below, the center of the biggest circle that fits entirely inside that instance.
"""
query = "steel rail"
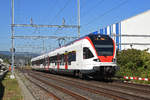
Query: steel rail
(100, 92)
(105, 92)
(48, 92)
(71, 93)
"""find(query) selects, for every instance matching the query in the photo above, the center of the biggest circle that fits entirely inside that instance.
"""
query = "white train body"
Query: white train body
(81, 57)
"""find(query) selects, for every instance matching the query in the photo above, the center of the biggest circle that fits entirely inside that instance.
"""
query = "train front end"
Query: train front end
(104, 64)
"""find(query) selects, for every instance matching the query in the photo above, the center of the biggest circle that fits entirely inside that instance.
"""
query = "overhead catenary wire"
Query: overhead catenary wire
(54, 5)
(91, 8)
(37, 27)
(87, 11)
(61, 10)
(105, 13)
(102, 15)
(115, 19)
(83, 3)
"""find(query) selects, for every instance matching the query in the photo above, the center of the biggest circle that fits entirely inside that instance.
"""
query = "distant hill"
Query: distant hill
(7, 53)
(21, 58)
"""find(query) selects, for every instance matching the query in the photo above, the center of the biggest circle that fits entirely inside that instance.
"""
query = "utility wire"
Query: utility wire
(108, 11)
(54, 4)
(93, 7)
(56, 31)
(60, 10)
(114, 19)
(83, 4)
(87, 11)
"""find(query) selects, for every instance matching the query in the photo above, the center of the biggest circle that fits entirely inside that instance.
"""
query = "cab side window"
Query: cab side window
(87, 53)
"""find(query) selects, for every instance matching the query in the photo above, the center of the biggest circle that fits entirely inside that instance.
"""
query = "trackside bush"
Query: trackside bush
(134, 62)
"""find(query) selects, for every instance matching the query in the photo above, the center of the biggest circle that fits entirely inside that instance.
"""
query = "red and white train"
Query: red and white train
(91, 55)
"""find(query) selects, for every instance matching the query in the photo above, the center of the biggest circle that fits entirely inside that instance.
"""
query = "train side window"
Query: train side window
(44, 61)
(41, 61)
(73, 55)
(87, 53)
(33, 62)
(54, 60)
(69, 58)
(62, 59)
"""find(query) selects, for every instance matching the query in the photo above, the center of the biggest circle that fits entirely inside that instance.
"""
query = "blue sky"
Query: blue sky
(94, 15)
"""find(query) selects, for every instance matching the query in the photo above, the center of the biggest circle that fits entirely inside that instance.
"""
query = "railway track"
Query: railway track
(109, 90)
(35, 87)
(67, 91)
(50, 94)
(33, 78)
(114, 90)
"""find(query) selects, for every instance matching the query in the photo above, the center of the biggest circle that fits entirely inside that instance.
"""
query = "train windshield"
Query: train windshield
(103, 44)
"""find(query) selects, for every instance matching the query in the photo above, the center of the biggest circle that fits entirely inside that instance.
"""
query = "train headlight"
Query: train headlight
(97, 60)
(114, 60)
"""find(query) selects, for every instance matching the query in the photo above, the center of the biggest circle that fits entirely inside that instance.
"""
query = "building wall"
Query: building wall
(137, 25)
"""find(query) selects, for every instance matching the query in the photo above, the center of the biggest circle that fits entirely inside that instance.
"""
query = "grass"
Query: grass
(11, 89)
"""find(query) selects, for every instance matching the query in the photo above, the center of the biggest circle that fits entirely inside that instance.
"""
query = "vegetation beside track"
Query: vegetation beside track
(134, 63)
(11, 90)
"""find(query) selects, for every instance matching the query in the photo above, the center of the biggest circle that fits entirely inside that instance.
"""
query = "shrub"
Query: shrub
(133, 62)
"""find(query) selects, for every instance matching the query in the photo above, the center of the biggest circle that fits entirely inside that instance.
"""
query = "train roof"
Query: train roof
(89, 35)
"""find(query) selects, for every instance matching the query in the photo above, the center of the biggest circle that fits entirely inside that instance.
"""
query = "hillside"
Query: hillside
(21, 58)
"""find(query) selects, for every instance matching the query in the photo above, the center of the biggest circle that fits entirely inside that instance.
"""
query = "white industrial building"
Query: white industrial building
(133, 32)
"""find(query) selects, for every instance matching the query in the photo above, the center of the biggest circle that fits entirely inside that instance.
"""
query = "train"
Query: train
(93, 55)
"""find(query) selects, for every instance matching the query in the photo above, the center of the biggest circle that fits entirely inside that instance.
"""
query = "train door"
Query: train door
(87, 57)
(47, 63)
(79, 57)
(44, 63)
(58, 61)
(66, 60)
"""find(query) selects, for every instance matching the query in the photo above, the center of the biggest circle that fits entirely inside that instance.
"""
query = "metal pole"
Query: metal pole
(12, 37)
(78, 18)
